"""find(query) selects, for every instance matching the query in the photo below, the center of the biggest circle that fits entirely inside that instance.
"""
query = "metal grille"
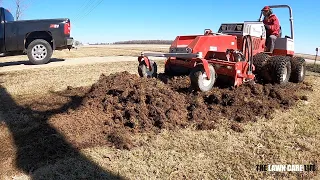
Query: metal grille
(181, 50)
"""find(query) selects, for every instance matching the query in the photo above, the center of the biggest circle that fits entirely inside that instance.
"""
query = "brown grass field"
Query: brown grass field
(98, 51)
(30, 98)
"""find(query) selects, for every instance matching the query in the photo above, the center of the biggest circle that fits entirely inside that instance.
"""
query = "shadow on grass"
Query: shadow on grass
(15, 63)
(41, 150)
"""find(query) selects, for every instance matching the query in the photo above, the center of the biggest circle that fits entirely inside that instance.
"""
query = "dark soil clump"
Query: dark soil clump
(237, 128)
(122, 104)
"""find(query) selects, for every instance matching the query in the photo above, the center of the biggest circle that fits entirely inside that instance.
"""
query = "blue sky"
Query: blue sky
(112, 21)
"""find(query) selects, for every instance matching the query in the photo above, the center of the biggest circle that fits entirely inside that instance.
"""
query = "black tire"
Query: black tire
(260, 62)
(173, 70)
(197, 79)
(298, 69)
(145, 72)
(281, 69)
(39, 58)
(168, 71)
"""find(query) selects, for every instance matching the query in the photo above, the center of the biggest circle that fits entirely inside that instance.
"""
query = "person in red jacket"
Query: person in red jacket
(272, 25)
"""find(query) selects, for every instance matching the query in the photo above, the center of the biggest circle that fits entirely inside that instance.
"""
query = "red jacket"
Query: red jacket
(274, 25)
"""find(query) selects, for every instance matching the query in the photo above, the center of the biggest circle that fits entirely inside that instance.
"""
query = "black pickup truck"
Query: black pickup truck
(36, 38)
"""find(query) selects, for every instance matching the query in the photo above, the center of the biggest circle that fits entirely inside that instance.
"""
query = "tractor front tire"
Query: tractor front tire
(39, 51)
(199, 79)
(168, 70)
(260, 62)
(144, 71)
(298, 69)
(281, 70)
(175, 70)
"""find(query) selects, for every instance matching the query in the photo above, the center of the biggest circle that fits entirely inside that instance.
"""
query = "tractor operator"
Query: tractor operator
(272, 26)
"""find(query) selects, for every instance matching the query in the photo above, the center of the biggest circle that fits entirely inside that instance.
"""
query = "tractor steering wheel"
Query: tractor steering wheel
(208, 32)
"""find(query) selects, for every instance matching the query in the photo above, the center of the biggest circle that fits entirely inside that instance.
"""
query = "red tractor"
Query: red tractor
(236, 52)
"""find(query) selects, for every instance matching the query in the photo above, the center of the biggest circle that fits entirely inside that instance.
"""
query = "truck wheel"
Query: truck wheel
(298, 69)
(145, 72)
(199, 79)
(39, 52)
(281, 69)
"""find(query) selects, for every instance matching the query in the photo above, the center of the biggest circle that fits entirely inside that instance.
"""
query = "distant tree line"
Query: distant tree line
(99, 43)
(145, 42)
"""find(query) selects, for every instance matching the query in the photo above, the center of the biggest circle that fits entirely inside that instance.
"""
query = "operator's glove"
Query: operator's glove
(267, 27)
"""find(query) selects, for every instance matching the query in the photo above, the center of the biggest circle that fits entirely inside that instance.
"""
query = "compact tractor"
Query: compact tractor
(235, 53)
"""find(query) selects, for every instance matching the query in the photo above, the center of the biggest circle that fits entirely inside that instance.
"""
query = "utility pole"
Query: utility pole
(18, 10)
(21, 6)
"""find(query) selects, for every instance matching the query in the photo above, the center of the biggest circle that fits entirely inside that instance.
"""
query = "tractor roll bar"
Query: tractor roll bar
(290, 13)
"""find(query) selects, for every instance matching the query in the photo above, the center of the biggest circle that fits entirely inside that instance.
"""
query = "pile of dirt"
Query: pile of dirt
(122, 104)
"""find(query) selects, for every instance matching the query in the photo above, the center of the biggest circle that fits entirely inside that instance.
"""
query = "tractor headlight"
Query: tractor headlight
(188, 50)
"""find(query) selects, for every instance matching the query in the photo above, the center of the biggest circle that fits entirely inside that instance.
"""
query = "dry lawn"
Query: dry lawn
(308, 56)
(313, 68)
(35, 82)
(291, 137)
(97, 51)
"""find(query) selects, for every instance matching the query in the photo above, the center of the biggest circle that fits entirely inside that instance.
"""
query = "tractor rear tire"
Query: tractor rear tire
(198, 78)
(260, 62)
(298, 69)
(281, 69)
(144, 71)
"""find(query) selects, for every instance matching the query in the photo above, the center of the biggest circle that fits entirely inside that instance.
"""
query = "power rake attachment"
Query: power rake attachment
(202, 62)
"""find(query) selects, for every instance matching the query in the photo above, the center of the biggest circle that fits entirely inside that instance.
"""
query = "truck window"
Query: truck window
(8, 16)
